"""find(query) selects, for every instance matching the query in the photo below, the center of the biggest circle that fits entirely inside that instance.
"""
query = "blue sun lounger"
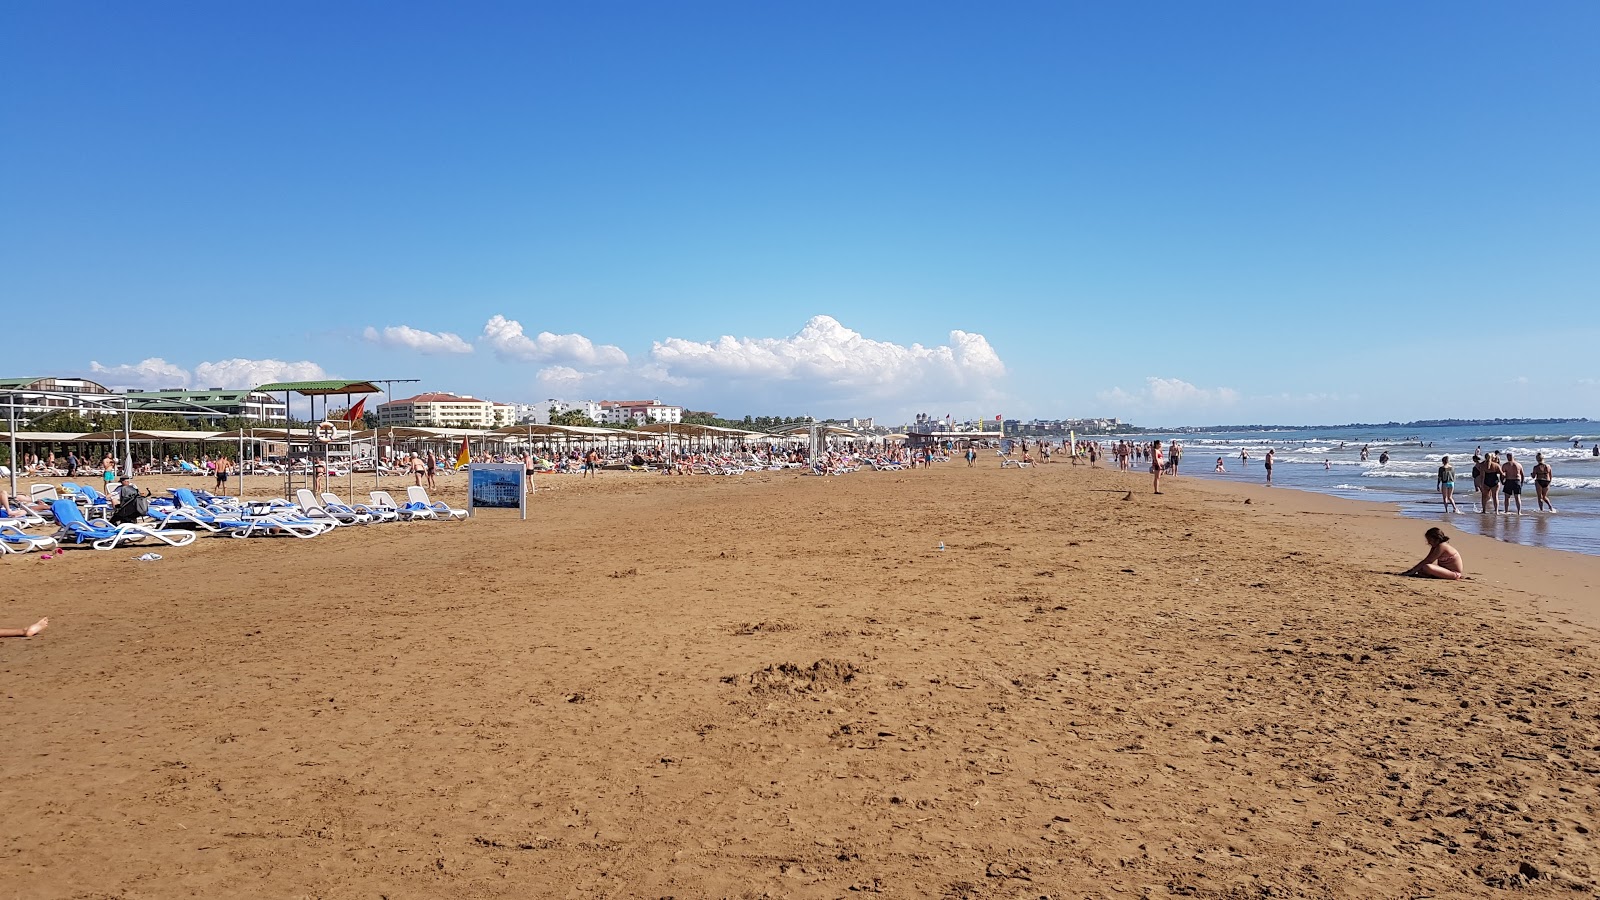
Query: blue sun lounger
(102, 535)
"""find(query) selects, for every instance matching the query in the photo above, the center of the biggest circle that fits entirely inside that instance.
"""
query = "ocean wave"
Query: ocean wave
(1576, 484)
(1535, 438)
(1549, 453)
(1392, 472)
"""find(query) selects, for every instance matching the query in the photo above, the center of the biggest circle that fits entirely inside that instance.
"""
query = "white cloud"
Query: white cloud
(507, 339)
(426, 342)
(826, 354)
(243, 373)
(156, 373)
(1519, 380)
(152, 374)
(1168, 394)
(559, 379)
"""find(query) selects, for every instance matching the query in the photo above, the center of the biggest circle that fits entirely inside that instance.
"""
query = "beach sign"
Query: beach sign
(497, 486)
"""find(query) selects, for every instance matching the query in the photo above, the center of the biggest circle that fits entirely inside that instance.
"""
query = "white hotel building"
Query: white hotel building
(445, 410)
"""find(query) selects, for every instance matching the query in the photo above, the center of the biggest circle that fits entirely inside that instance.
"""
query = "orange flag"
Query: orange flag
(356, 412)
(463, 458)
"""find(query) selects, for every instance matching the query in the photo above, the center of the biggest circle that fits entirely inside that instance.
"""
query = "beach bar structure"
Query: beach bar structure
(313, 390)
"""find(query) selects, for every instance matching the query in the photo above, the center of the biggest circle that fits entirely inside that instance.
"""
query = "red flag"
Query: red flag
(356, 412)
(997, 418)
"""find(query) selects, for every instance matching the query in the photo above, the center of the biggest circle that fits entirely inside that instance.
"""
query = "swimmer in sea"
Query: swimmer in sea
(1327, 464)
(1442, 561)
(1219, 465)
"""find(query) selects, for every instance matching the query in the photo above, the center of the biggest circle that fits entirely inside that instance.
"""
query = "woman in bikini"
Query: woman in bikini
(1155, 464)
(1542, 476)
(1491, 483)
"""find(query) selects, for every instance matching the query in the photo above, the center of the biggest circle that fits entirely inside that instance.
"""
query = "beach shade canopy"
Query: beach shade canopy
(692, 429)
(48, 437)
(171, 437)
(321, 388)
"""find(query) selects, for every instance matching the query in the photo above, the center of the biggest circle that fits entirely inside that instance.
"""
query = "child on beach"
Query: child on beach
(1442, 561)
(1446, 484)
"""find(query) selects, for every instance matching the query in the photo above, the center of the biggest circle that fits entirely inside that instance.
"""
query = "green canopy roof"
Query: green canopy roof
(318, 388)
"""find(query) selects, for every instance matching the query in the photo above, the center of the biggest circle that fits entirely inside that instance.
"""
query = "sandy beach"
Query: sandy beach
(774, 685)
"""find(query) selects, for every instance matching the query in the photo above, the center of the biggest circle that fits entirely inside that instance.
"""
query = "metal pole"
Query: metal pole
(127, 439)
(11, 417)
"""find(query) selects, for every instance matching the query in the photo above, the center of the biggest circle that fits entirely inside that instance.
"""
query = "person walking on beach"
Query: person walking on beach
(432, 467)
(223, 467)
(1442, 561)
(1447, 485)
(1511, 480)
(971, 455)
(1155, 464)
(1270, 453)
(1542, 476)
(1175, 453)
(1491, 484)
(1244, 459)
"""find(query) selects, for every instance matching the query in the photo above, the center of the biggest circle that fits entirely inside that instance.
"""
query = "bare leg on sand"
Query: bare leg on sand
(30, 631)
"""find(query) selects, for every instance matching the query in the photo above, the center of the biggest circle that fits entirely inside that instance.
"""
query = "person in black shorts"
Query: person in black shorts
(1511, 483)
(1542, 476)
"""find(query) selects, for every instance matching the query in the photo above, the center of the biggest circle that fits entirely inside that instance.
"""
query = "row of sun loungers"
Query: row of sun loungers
(80, 518)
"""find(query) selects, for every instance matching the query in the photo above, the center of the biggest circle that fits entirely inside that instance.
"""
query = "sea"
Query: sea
(1328, 461)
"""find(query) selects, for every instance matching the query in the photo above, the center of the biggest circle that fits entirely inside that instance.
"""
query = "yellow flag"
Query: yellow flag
(463, 459)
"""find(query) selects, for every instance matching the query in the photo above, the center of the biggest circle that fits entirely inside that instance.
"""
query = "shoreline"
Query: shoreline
(1560, 583)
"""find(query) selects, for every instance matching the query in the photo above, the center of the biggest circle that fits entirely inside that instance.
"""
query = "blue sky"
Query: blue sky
(1175, 213)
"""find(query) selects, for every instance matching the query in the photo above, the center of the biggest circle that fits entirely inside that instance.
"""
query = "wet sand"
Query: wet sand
(776, 686)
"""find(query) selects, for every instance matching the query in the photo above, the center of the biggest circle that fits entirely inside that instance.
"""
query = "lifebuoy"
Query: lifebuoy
(326, 431)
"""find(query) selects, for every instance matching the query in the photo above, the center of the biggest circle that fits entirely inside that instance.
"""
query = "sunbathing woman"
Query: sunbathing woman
(30, 631)
(1442, 561)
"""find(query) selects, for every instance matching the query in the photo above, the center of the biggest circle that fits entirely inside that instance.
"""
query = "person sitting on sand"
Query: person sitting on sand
(30, 631)
(1443, 561)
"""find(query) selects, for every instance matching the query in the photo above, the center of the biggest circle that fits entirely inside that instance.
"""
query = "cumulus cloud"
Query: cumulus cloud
(561, 378)
(151, 374)
(427, 342)
(156, 373)
(828, 354)
(1170, 394)
(507, 339)
(243, 373)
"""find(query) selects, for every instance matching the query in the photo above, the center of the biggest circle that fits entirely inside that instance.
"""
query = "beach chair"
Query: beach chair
(1008, 463)
(240, 523)
(93, 499)
(332, 502)
(382, 501)
(14, 540)
(418, 497)
(102, 535)
(312, 509)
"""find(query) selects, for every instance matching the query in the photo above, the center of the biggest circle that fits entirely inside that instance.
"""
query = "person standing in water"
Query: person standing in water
(1542, 476)
(1491, 484)
(1270, 453)
(1511, 482)
(1447, 485)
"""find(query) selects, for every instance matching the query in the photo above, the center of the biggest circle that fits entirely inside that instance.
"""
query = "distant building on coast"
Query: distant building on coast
(252, 405)
(29, 395)
(441, 409)
(638, 412)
